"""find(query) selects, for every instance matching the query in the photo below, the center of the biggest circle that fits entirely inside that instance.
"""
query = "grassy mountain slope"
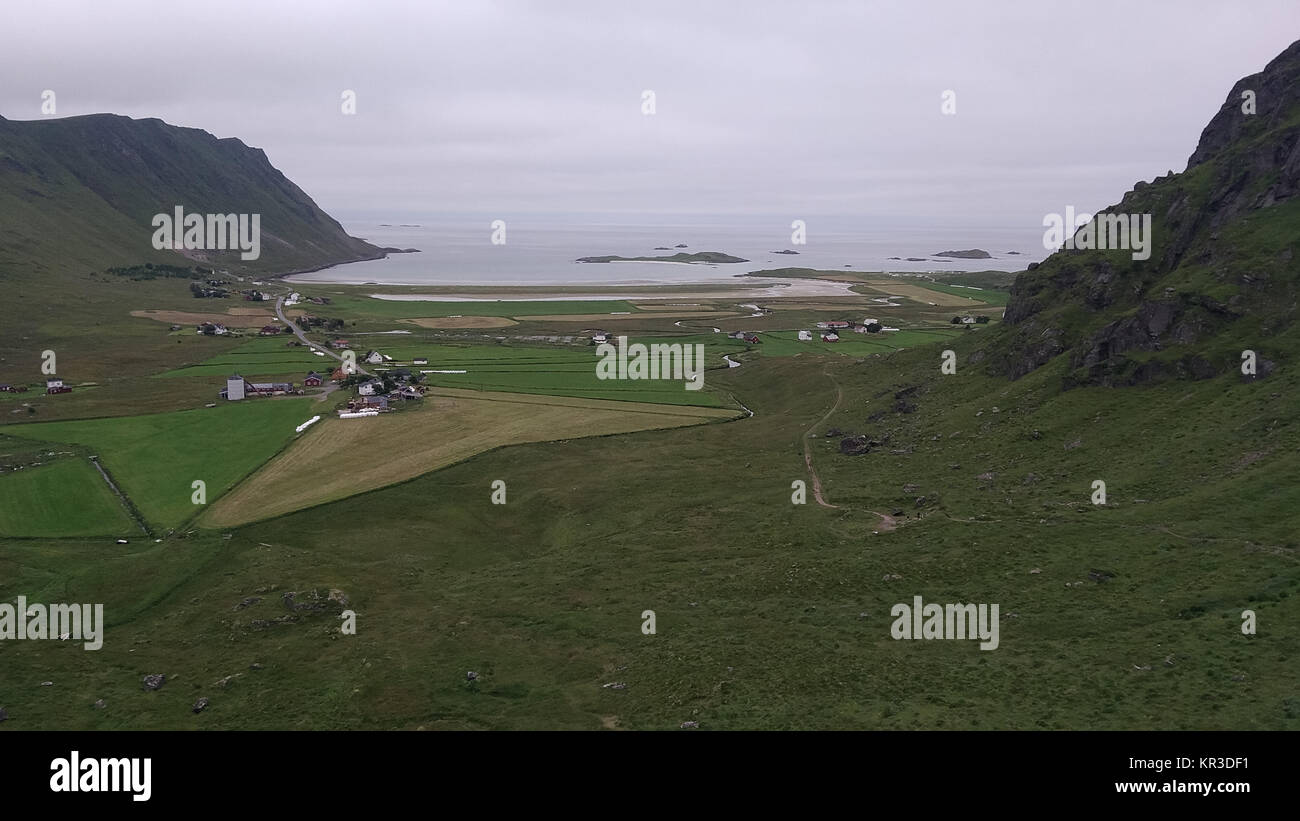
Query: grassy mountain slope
(81, 192)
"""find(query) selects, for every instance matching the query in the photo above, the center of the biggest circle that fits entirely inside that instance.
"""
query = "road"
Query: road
(279, 311)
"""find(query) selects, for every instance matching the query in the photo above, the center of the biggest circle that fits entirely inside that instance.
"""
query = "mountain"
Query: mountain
(1222, 271)
(81, 192)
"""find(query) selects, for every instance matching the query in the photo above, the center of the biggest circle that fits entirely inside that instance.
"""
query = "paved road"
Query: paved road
(279, 311)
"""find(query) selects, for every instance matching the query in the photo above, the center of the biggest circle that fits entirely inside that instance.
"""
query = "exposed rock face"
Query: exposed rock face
(1219, 249)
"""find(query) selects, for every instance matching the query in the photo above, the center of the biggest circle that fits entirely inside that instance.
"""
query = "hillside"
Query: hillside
(80, 193)
(1222, 272)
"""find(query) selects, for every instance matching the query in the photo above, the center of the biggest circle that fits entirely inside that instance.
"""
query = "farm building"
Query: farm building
(736, 335)
(338, 343)
(420, 360)
(235, 388)
(830, 337)
(805, 336)
(753, 339)
(368, 403)
(55, 385)
(269, 330)
(313, 380)
(270, 388)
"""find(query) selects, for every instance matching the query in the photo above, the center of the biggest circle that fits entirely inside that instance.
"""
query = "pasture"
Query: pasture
(62, 498)
(155, 458)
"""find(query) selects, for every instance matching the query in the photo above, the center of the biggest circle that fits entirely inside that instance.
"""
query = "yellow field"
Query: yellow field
(462, 322)
(336, 458)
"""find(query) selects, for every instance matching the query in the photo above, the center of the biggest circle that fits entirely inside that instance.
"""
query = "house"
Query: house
(338, 375)
(869, 321)
(753, 339)
(968, 320)
(420, 360)
(368, 403)
(370, 387)
(269, 330)
(313, 380)
(400, 374)
(339, 343)
(411, 392)
(805, 336)
(209, 329)
(830, 337)
(600, 337)
(373, 357)
(736, 335)
(55, 385)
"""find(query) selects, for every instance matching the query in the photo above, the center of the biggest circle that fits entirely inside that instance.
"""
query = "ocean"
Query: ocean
(541, 250)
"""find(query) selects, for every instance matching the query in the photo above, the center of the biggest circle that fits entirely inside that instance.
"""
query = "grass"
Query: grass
(445, 428)
(267, 356)
(770, 615)
(998, 298)
(66, 497)
(155, 458)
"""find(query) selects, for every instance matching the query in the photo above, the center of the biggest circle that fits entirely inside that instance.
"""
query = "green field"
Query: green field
(999, 298)
(155, 458)
(268, 356)
(66, 497)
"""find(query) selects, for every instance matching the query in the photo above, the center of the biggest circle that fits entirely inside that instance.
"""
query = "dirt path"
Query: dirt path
(887, 523)
(807, 446)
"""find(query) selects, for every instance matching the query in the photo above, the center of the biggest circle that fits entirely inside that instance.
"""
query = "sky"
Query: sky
(798, 109)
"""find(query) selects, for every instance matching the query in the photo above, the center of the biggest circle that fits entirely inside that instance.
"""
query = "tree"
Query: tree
(956, 320)
(981, 319)
(874, 327)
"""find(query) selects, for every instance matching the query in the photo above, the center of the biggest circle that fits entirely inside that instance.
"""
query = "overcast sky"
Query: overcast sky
(796, 108)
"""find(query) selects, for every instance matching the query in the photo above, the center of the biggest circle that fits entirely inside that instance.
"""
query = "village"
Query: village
(374, 394)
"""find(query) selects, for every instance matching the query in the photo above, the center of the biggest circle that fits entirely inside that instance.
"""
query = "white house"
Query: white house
(370, 388)
(600, 338)
(805, 336)
(374, 357)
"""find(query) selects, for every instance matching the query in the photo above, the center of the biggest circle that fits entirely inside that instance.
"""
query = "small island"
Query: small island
(699, 256)
(783, 252)
(974, 253)
(682, 245)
